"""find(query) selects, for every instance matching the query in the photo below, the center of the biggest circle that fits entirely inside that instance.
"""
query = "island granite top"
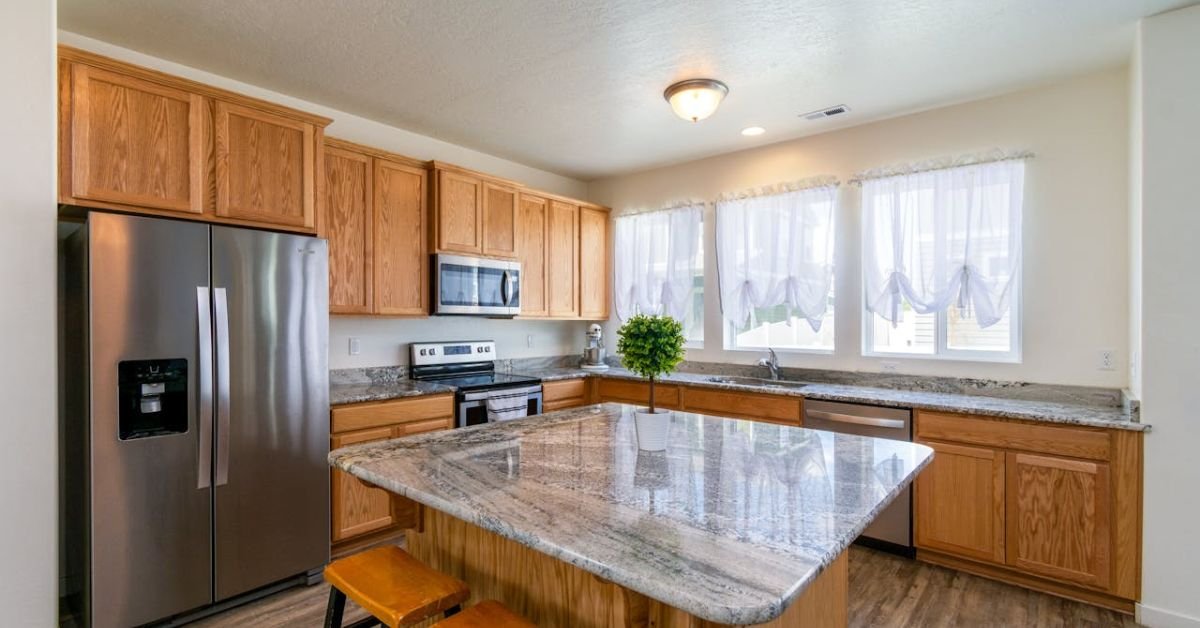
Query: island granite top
(731, 523)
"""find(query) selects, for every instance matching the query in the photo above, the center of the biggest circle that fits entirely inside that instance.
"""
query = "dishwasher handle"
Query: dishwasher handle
(837, 417)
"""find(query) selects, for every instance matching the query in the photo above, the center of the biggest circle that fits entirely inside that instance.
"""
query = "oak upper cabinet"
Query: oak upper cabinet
(531, 253)
(358, 509)
(141, 141)
(265, 165)
(457, 207)
(562, 259)
(594, 267)
(401, 264)
(348, 225)
(499, 220)
(960, 502)
(134, 142)
(374, 216)
(1059, 518)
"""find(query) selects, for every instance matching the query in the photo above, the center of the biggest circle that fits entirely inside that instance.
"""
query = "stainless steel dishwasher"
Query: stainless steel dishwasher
(892, 530)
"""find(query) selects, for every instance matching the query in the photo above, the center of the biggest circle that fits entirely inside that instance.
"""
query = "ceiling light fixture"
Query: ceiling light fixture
(696, 99)
(751, 131)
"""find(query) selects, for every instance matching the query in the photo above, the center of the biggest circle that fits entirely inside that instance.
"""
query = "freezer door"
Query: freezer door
(271, 477)
(148, 471)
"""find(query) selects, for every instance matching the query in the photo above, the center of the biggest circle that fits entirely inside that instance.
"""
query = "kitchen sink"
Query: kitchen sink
(754, 381)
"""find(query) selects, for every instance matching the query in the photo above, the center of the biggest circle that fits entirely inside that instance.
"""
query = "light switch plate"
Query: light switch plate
(355, 346)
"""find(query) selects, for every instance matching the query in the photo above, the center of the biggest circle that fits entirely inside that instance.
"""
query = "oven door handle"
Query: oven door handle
(483, 394)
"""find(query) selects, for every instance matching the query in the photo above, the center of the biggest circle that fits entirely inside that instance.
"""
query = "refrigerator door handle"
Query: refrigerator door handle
(222, 327)
(204, 377)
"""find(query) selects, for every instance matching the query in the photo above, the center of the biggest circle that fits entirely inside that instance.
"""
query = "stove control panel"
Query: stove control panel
(425, 353)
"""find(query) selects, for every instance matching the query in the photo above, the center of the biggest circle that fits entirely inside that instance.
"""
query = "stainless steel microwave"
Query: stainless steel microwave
(476, 286)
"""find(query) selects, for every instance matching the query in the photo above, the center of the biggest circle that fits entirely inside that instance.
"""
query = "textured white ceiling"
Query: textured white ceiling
(575, 87)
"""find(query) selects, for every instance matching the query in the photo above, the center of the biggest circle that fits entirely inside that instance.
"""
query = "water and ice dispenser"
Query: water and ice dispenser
(153, 398)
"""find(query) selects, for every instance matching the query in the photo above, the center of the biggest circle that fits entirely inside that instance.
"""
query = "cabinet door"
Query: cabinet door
(499, 220)
(265, 167)
(562, 259)
(593, 263)
(782, 409)
(348, 224)
(356, 508)
(567, 393)
(460, 199)
(960, 502)
(135, 142)
(1058, 518)
(400, 259)
(638, 392)
(531, 252)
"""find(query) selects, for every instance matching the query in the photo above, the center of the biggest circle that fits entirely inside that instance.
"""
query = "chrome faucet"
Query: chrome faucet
(771, 362)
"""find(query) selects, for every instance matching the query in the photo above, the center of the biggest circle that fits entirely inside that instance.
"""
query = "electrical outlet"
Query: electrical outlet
(355, 347)
(889, 367)
(529, 341)
(1106, 359)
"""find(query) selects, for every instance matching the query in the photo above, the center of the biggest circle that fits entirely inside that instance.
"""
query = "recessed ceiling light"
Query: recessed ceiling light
(695, 99)
(751, 131)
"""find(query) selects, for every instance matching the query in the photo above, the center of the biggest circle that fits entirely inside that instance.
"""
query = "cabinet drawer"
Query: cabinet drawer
(567, 393)
(1077, 442)
(420, 427)
(372, 414)
(774, 408)
(627, 391)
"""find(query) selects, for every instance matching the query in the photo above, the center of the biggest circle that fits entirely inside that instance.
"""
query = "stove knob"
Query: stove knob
(478, 349)
(487, 349)
(422, 352)
(433, 352)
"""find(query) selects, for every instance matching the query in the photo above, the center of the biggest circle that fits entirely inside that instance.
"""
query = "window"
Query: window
(775, 258)
(941, 260)
(658, 266)
(774, 328)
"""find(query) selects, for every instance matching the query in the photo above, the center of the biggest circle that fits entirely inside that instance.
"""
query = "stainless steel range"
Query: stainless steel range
(470, 368)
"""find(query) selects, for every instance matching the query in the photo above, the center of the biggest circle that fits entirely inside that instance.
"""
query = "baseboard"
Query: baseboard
(1162, 618)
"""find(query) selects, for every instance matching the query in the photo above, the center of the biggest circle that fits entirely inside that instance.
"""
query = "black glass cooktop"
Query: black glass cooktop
(485, 381)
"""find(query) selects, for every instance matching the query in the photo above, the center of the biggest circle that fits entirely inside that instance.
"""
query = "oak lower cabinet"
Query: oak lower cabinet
(959, 503)
(1054, 508)
(360, 513)
(1059, 518)
(374, 216)
(566, 393)
(638, 392)
(140, 141)
(781, 409)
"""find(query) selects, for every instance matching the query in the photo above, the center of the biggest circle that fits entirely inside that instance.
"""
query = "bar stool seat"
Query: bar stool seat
(486, 614)
(391, 585)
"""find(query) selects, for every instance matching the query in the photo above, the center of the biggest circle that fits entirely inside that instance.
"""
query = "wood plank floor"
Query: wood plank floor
(885, 590)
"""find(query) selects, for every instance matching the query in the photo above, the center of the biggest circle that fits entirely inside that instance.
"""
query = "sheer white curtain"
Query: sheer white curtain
(943, 237)
(777, 250)
(655, 259)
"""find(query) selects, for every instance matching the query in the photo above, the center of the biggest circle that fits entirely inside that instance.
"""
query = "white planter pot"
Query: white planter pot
(652, 428)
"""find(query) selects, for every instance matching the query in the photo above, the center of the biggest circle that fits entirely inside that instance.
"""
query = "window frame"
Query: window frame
(730, 333)
(941, 350)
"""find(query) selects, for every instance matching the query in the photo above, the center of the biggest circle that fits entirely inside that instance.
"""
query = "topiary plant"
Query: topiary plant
(651, 346)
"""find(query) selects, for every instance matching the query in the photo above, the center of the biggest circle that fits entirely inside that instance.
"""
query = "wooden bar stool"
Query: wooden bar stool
(391, 585)
(486, 614)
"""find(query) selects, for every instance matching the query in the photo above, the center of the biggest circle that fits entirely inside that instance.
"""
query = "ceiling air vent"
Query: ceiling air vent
(825, 113)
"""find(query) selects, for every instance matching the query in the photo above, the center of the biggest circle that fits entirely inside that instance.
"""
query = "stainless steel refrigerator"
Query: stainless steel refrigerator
(195, 414)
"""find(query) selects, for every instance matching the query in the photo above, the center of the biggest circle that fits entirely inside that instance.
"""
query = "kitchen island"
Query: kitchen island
(564, 519)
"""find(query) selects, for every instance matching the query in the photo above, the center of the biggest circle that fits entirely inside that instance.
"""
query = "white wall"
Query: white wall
(28, 379)
(1169, 59)
(1076, 249)
(380, 338)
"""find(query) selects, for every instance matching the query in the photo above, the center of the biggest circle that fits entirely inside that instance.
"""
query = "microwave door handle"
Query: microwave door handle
(505, 288)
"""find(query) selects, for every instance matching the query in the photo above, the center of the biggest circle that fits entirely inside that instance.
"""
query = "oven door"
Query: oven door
(474, 285)
(472, 406)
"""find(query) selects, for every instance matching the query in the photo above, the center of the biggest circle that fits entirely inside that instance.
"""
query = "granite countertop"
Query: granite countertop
(1008, 408)
(731, 523)
(383, 390)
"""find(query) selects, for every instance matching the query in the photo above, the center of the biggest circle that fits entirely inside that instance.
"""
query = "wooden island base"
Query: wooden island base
(550, 592)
